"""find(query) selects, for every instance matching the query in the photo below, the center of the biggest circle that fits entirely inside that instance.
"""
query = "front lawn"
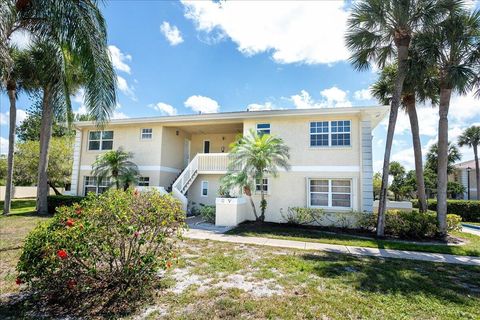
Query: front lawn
(280, 231)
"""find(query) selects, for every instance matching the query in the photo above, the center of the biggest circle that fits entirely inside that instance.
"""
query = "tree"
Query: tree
(239, 179)
(420, 85)
(3, 169)
(377, 184)
(453, 47)
(432, 157)
(114, 165)
(377, 32)
(259, 155)
(29, 129)
(471, 137)
(79, 28)
(397, 171)
(60, 162)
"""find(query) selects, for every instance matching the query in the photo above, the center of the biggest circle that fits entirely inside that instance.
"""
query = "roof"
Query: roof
(374, 113)
(466, 164)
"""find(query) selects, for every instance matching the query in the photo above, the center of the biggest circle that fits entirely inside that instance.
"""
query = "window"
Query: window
(100, 140)
(92, 185)
(263, 128)
(204, 188)
(144, 181)
(319, 133)
(333, 133)
(330, 193)
(340, 133)
(147, 134)
(258, 187)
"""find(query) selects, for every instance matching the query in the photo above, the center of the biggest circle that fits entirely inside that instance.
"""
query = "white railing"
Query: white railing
(212, 162)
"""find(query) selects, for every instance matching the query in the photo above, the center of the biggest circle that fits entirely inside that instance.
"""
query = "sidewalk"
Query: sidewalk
(361, 251)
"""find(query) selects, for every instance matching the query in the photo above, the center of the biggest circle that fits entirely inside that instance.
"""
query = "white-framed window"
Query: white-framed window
(204, 190)
(100, 140)
(258, 186)
(146, 134)
(144, 181)
(330, 133)
(326, 193)
(263, 128)
(91, 184)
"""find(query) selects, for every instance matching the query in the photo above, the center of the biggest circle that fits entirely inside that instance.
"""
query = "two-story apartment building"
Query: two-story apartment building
(330, 149)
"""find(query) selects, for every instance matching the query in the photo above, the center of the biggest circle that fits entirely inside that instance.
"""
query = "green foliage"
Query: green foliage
(410, 225)
(470, 137)
(29, 129)
(317, 216)
(208, 213)
(403, 184)
(3, 169)
(377, 184)
(55, 202)
(303, 216)
(116, 165)
(59, 162)
(454, 156)
(107, 249)
(469, 210)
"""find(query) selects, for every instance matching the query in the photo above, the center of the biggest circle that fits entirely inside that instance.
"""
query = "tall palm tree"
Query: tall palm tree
(432, 157)
(239, 179)
(77, 26)
(452, 46)
(380, 31)
(114, 165)
(471, 137)
(259, 155)
(420, 84)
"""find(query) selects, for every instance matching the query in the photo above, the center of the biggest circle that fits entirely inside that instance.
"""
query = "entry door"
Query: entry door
(186, 152)
(206, 146)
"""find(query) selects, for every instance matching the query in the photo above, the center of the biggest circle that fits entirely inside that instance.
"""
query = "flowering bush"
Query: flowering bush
(110, 246)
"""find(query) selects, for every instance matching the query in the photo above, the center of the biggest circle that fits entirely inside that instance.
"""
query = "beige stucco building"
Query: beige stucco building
(330, 148)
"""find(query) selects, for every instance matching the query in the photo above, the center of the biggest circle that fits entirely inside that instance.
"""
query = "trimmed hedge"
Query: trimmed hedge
(55, 202)
(469, 210)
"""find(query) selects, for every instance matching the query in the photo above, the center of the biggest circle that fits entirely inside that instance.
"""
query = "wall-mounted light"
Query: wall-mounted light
(223, 149)
(177, 132)
(223, 138)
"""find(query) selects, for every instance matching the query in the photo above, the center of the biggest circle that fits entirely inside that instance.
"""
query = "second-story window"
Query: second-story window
(319, 133)
(340, 133)
(330, 133)
(147, 134)
(100, 140)
(263, 128)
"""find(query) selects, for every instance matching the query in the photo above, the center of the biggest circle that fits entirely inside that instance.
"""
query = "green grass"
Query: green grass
(313, 285)
(278, 231)
(474, 223)
(20, 206)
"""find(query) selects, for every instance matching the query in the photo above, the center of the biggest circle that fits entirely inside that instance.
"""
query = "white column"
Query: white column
(367, 166)
(464, 182)
(76, 163)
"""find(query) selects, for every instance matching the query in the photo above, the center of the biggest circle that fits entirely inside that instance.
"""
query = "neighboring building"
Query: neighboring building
(461, 175)
(330, 148)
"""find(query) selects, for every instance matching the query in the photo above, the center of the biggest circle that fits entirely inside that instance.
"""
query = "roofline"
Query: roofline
(377, 113)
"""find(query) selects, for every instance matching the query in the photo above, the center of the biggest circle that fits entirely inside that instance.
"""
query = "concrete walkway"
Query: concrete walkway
(361, 251)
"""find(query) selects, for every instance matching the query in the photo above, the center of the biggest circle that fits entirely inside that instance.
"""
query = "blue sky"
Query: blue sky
(184, 57)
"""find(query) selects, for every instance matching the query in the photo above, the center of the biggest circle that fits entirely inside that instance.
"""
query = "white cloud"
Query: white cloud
(171, 33)
(21, 39)
(124, 87)
(202, 104)
(330, 98)
(3, 145)
(5, 117)
(258, 107)
(362, 95)
(164, 108)
(293, 31)
(119, 59)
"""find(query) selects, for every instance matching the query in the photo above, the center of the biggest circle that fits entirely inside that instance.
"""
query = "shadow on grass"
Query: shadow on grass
(452, 283)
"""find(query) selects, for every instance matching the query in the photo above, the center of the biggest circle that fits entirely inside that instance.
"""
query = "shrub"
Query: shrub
(55, 202)
(106, 250)
(303, 216)
(469, 210)
(410, 225)
(208, 213)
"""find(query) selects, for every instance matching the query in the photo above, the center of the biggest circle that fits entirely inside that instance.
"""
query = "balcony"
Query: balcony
(212, 163)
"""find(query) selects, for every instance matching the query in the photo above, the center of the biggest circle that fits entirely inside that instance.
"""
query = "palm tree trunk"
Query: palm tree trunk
(477, 170)
(445, 95)
(45, 135)
(11, 90)
(248, 193)
(417, 151)
(401, 74)
(262, 201)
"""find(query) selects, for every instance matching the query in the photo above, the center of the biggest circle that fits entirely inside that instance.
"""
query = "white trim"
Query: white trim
(330, 194)
(329, 134)
(323, 169)
(143, 168)
(76, 163)
(201, 188)
(100, 141)
(142, 133)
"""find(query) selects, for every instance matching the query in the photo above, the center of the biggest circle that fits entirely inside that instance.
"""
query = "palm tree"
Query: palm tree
(420, 84)
(432, 157)
(77, 26)
(453, 47)
(114, 165)
(129, 178)
(239, 179)
(471, 137)
(379, 31)
(259, 155)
